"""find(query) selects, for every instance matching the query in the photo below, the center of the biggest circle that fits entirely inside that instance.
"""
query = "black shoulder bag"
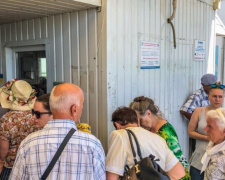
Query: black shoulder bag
(57, 154)
(146, 168)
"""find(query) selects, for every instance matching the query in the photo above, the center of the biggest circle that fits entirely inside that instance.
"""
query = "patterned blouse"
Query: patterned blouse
(14, 127)
(168, 133)
(216, 167)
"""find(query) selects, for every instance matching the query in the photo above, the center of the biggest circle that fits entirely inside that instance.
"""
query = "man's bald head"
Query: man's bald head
(63, 97)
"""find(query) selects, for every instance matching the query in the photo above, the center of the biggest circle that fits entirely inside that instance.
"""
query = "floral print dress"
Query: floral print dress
(168, 133)
(14, 127)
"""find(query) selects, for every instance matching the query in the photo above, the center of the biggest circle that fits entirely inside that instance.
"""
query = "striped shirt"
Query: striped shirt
(198, 99)
(83, 157)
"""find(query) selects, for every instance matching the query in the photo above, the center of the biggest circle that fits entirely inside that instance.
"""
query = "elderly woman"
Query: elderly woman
(120, 153)
(214, 158)
(15, 125)
(151, 119)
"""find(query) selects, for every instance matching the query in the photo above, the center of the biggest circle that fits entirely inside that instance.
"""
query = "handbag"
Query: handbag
(57, 154)
(146, 168)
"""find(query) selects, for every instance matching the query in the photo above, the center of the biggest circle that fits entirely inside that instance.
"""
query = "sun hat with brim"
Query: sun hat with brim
(17, 95)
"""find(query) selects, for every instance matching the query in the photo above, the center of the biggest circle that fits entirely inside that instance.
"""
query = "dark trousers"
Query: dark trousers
(195, 174)
(5, 173)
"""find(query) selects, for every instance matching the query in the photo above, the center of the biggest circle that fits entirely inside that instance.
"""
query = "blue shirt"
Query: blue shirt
(83, 157)
(198, 99)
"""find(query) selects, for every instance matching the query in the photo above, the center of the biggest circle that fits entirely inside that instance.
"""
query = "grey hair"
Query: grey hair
(63, 102)
(142, 104)
(219, 118)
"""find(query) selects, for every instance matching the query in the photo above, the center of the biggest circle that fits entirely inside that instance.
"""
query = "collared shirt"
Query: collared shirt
(198, 99)
(83, 157)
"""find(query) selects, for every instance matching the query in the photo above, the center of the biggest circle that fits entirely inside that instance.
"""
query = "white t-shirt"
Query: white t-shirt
(120, 153)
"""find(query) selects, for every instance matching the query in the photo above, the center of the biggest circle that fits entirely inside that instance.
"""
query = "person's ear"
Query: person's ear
(149, 113)
(139, 123)
(118, 126)
(73, 110)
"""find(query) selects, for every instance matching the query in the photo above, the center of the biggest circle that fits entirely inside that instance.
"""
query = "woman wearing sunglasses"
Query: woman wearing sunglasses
(196, 128)
(41, 111)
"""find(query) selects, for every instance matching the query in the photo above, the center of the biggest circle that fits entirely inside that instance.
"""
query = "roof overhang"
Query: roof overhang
(17, 10)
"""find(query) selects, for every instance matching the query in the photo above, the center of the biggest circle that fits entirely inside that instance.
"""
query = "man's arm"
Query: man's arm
(177, 172)
(190, 105)
(186, 114)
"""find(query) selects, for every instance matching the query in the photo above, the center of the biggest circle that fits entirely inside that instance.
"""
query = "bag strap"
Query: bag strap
(57, 154)
(129, 132)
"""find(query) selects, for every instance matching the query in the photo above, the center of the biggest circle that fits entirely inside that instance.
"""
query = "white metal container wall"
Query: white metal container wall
(71, 56)
(131, 21)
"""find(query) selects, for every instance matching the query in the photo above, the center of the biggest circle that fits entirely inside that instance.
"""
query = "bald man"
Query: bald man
(83, 156)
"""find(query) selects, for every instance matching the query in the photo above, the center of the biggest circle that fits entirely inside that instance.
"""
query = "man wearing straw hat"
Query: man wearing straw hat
(15, 125)
(83, 156)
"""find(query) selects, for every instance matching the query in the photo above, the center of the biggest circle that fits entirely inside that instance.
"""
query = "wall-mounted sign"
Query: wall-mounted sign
(199, 52)
(149, 55)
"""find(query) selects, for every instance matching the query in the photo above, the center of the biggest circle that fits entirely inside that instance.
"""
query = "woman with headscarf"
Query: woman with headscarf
(15, 125)
(214, 158)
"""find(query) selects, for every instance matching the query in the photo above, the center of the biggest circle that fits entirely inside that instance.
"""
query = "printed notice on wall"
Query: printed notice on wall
(199, 54)
(149, 55)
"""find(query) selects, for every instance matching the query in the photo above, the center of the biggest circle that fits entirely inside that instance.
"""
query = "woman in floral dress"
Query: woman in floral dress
(151, 119)
(15, 125)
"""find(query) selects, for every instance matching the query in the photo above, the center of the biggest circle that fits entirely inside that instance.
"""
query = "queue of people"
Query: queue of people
(33, 129)
(196, 128)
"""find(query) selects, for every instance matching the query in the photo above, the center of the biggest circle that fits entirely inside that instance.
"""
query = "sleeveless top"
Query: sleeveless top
(201, 145)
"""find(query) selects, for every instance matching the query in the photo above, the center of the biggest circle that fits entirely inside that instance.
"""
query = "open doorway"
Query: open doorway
(31, 67)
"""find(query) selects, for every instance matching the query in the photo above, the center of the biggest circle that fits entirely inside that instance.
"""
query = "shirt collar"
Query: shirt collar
(62, 123)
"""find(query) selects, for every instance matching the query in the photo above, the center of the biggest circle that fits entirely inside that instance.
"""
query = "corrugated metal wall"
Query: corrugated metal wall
(71, 48)
(132, 21)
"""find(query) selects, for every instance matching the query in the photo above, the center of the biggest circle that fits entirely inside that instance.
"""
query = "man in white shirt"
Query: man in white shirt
(120, 154)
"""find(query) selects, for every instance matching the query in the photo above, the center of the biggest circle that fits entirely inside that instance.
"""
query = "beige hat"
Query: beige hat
(17, 95)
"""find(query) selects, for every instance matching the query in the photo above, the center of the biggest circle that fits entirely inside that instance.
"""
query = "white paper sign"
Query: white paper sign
(149, 55)
(199, 54)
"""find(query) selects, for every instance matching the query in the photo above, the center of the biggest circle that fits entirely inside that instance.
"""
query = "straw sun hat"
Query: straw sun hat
(17, 95)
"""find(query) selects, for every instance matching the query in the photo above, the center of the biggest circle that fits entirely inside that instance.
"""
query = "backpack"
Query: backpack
(146, 168)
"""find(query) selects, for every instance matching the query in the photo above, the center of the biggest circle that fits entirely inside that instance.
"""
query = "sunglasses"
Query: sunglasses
(38, 114)
(221, 86)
